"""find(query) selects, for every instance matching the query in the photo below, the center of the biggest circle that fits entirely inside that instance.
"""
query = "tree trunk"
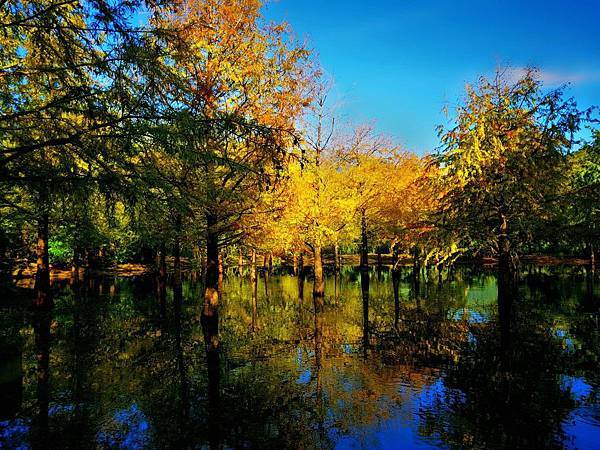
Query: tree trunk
(295, 263)
(505, 283)
(177, 286)
(319, 281)
(416, 273)
(396, 285)
(364, 280)
(41, 324)
(318, 301)
(301, 277)
(336, 258)
(210, 309)
(162, 280)
(254, 288)
(241, 264)
(271, 263)
(43, 297)
(591, 276)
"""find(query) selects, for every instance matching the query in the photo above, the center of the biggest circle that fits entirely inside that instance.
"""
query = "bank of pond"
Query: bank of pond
(111, 366)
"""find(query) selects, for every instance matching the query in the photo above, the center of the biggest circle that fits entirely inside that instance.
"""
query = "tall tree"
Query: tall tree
(501, 165)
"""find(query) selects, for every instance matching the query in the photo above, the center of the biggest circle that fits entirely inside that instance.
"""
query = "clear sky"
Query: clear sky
(399, 62)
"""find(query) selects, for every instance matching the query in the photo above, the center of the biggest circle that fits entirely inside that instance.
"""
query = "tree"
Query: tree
(501, 165)
(242, 85)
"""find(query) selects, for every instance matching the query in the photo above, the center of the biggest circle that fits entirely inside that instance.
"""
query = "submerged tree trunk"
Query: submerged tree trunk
(591, 275)
(318, 301)
(416, 273)
(177, 286)
(396, 285)
(41, 324)
(254, 288)
(210, 309)
(43, 297)
(162, 280)
(506, 280)
(301, 277)
(364, 279)
(319, 281)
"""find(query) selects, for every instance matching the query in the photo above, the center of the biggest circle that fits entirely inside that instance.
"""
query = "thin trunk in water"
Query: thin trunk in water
(210, 309)
(396, 284)
(319, 303)
(319, 282)
(42, 342)
(364, 279)
(43, 297)
(505, 284)
(416, 273)
(162, 280)
(177, 287)
(591, 275)
(301, 277)
(210, 327)
(254, 288)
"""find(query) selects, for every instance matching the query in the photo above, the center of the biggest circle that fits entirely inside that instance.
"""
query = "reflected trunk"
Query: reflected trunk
(210, 309)
(210, 327)
(177, 287)
(214, 400)
(181, 368)
(318, 338)
(162, 280)
(11, 382)
(254, 289)
(364, 281)
(506, 284)
(42, 343)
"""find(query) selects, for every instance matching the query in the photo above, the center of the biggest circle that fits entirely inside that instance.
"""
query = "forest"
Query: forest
(196, 137)
(203, 133)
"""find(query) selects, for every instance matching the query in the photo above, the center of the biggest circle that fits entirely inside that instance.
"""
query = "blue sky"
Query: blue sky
(398, 63)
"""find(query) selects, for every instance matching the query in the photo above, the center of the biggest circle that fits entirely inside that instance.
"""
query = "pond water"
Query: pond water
(108, 368)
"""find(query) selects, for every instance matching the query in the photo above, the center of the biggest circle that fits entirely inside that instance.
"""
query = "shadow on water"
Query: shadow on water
(386, 360)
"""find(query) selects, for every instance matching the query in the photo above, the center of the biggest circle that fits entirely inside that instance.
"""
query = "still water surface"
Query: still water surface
(109, 369)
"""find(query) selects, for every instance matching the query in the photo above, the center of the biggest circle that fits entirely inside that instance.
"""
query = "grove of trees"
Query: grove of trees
(196, 131)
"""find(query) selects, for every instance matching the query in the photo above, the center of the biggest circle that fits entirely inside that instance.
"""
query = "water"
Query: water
(106, 369)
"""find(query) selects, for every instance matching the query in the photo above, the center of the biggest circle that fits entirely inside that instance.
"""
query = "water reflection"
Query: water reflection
(123, 363)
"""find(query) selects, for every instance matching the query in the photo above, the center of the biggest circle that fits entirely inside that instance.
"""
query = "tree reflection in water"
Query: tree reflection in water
(116, 365)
